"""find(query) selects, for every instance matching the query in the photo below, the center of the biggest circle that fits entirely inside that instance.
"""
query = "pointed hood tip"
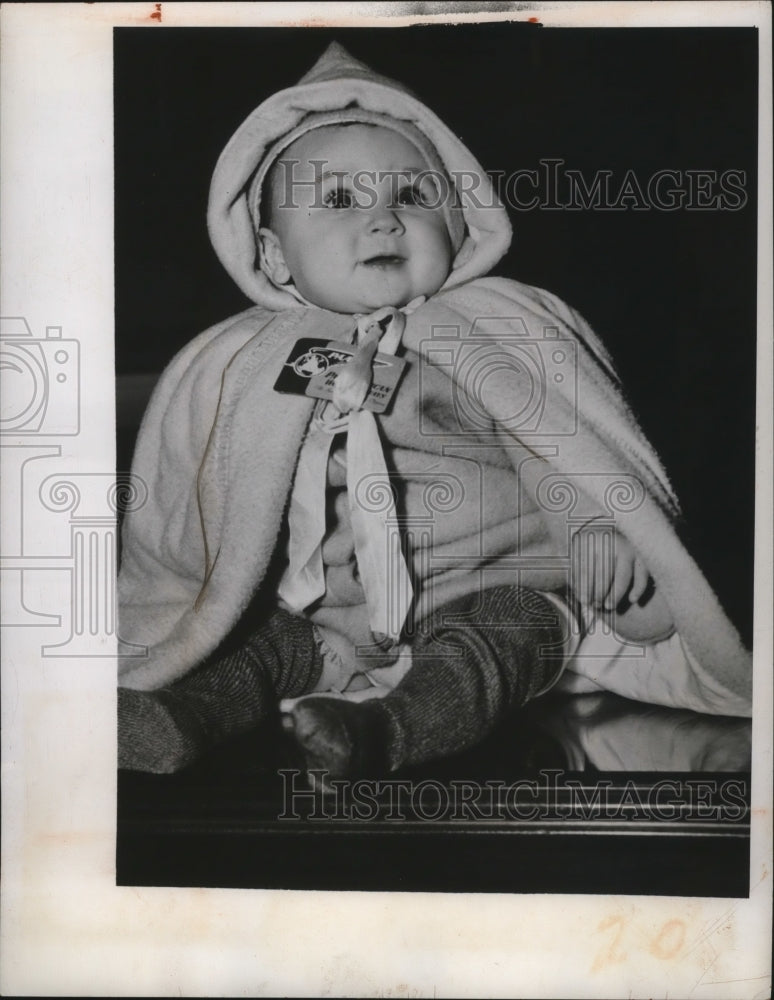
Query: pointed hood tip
(336, 63)
(331, 63)
(335, 50)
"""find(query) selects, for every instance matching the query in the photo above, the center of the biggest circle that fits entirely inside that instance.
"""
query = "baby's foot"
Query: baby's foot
(154, 733)
(343, 738)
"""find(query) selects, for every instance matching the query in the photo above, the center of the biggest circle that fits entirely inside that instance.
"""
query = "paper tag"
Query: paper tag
(313, 365)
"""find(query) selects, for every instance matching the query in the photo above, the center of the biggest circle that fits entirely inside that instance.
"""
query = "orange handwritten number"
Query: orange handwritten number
(670, 940)
(614, 953)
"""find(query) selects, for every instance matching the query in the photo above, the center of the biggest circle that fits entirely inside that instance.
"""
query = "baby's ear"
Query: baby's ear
(271, 257)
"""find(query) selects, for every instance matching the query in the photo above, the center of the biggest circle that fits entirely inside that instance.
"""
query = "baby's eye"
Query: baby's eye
(339, 197)
(410, 195)
(422, 192)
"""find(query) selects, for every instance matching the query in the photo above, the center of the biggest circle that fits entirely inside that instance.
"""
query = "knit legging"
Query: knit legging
(164, 730)
(474, 660)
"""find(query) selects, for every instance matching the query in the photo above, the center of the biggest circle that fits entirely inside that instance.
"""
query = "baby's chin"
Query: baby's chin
(349, 305)
(370, 299)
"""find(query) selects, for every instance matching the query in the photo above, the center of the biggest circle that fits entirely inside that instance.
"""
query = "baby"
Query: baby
(410, 577)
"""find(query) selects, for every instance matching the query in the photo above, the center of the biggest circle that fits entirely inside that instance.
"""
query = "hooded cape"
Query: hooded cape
(218, 446)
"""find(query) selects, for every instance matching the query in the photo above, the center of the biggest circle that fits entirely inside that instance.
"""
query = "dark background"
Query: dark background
(672, 294)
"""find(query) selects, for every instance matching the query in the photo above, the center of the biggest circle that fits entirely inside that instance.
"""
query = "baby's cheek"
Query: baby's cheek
(436, 264)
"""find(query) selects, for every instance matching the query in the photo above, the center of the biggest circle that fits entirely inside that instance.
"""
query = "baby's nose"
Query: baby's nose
(384, 220)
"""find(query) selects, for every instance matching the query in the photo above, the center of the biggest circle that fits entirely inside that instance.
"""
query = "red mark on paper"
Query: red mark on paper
(156, 15)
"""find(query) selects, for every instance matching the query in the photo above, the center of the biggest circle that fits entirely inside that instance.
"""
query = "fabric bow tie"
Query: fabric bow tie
(383, 572)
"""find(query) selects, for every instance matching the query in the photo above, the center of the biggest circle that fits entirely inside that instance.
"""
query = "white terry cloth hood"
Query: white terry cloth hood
(338, 83)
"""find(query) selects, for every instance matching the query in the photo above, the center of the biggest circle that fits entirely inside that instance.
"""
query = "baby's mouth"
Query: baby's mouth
(384, 261)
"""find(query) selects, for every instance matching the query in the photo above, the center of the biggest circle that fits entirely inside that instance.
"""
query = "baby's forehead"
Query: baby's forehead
(355, 144)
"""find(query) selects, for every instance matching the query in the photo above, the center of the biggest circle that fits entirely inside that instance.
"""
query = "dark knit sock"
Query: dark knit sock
(164, 730)
(467, 676)
(505, 648)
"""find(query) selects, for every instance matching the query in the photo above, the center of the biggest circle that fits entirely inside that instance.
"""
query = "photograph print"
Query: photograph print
(435, 380)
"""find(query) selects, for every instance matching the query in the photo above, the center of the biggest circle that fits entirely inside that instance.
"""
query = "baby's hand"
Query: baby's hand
(606, 568)
(608, 573)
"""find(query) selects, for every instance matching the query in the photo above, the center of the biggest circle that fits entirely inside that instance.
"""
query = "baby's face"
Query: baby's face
(369, 232)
